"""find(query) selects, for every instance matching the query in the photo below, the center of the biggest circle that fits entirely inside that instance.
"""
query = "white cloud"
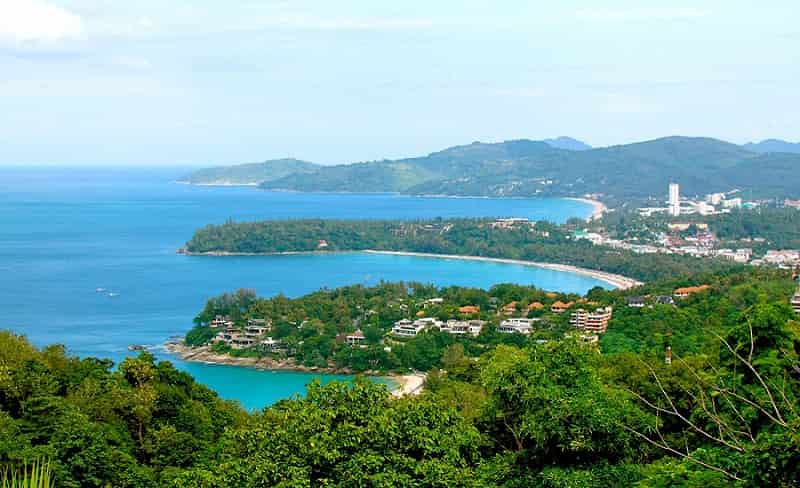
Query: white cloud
(37, 22)
(520, 92)
(132, 62)
(319, 23)
(642, 14)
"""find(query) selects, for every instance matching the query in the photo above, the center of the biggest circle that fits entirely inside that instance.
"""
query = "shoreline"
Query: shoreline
(598, 207)
(220, 183)
(400, 385)
(619, 281)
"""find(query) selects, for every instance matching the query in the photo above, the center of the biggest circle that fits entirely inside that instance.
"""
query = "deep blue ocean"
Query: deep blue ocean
(66, 232)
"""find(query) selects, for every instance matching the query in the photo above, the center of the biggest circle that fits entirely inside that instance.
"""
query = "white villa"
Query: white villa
(355, 338)
(463, 327)
(517, 325)
(407, 328)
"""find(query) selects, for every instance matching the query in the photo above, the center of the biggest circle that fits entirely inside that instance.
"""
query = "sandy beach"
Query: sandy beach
(598, 208)
(409, 384)
(619, 281)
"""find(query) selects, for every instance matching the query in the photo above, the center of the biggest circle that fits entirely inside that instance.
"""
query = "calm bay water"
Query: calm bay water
(66, 232)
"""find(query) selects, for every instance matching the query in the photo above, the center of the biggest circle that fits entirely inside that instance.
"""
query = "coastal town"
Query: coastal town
(684, 227)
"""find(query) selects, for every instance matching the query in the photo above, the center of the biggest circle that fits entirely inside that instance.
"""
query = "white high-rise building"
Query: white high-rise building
(674, 200)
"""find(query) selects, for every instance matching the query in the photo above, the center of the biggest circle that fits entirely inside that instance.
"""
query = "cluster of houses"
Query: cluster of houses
(786, 258)
(701, 245)
(518, 223)
(590, 321)
(252, 335)
(409, 328)
(649, 301)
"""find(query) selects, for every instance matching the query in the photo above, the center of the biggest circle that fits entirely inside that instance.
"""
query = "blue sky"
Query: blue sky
(202, 82)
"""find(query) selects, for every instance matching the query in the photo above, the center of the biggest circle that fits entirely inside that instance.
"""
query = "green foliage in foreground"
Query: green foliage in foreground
(543, 242)
(37, 475)
(553, 414)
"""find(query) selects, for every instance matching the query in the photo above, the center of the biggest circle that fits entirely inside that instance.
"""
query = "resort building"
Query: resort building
(256, 331)
(510, 308)
(560, 307)
(463, 327)
(432, 301)
(429, 322)
(355, 338)
(220, 321)
(407, 328)
(271, 344)
(535, 306)
(517, 326)
(469, 310)
(592, 237)
(509, 223)
(664, 300)
(635, 302)
(259, 323)
(596, 321)
(236, 339)
(782, 257)
(686, 291)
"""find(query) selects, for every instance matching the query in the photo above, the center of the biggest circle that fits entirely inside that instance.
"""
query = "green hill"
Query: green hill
(524, 168)
(248, 174)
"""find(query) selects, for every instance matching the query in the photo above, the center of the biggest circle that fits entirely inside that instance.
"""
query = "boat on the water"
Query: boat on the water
(137, 347)
(112, 294)
(100, 290)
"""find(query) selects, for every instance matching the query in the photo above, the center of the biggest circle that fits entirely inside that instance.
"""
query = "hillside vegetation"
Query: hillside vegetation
(545, 168)
(541, 414)
(248, 174)
(540, 241)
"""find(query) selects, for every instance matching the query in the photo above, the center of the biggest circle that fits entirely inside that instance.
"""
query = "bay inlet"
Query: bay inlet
(67, 232)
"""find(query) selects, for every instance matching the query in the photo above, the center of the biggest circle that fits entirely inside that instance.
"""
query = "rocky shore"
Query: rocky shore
(410, 384)
(204, 354)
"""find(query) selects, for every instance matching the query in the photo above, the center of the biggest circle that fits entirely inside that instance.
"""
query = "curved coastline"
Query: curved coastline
(619, 281)
(598, 208)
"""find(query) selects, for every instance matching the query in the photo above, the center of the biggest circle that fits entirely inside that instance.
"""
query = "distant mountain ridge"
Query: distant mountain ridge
(568, 143)
(773, 146)
(248, 173)
(523, 168)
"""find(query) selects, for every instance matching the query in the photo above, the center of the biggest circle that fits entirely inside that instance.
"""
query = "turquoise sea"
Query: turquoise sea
(66, 232)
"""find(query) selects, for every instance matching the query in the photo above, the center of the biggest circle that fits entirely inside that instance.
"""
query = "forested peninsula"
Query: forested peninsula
(496, 238)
